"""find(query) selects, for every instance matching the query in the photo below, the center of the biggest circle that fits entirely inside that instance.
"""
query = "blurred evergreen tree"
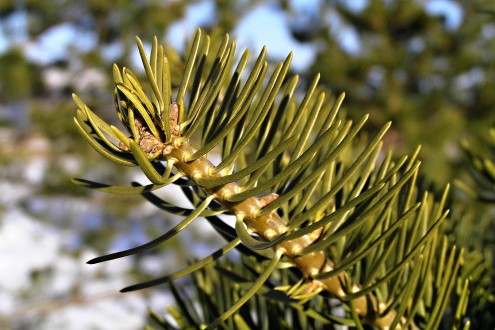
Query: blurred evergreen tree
(431, 77)
(19, 79)
(473, 206)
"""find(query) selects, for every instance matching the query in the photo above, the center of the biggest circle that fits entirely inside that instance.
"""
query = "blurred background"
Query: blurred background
(428, 66)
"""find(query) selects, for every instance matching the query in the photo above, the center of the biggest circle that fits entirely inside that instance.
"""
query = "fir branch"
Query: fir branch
(292, 175)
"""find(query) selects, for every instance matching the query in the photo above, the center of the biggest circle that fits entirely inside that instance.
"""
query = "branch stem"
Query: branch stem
(271, 225)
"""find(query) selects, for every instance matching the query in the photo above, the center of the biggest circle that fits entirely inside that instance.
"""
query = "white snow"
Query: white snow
(74, 296)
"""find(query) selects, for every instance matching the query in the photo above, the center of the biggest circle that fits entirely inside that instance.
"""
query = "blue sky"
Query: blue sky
(263, 25)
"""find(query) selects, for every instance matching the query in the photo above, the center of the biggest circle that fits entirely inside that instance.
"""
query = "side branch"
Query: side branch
(272, 225)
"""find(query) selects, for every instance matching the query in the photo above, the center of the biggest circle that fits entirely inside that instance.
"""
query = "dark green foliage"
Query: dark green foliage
(217, 288)
(475, 223)
(18, 78)
(481, 157)
(428, 73)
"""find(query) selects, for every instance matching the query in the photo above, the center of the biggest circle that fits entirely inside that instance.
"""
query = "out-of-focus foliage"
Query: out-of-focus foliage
(18, 78)
(34, 88)
(40, 153)
(430, 74)
(475, 213)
